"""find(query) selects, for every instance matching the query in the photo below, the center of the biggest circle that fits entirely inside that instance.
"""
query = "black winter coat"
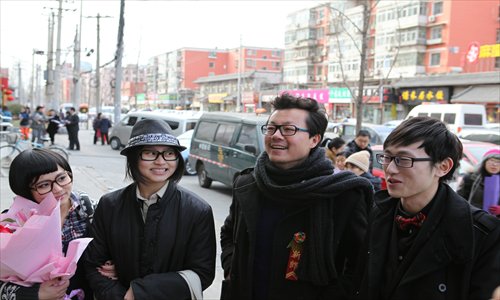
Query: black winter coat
(178, 234)
(238, 242)
(456, 254)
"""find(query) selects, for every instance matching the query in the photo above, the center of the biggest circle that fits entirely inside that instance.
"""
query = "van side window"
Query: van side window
(206, 131)
(174, 125)
(422, 115)
(248, 135)
(224, 134)
(473, 119)
(190, 125)
(131, 121)
(436, 116)
(449, 118)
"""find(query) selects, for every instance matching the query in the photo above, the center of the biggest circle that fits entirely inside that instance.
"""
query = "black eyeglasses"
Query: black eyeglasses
(285, 130)
(151, 155)
(401, 161)
(46, 186)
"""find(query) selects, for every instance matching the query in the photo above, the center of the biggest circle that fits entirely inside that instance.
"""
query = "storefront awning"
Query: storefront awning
(478, 94)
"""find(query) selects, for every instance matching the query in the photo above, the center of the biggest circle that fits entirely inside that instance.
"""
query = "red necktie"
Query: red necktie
(416, 221)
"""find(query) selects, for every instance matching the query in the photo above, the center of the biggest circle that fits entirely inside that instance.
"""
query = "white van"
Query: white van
(456, 116)
(179, 122)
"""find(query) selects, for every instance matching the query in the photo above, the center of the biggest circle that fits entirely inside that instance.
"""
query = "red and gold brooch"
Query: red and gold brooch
(295, 246)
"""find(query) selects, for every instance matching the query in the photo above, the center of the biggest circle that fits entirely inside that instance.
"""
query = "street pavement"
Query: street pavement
(98, 169)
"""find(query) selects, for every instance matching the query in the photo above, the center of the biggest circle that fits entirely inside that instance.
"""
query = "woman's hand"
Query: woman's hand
(53, 289)
(129, 295)
(108, 270)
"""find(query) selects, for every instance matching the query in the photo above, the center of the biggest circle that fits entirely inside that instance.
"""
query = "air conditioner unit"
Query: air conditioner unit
(431, 19)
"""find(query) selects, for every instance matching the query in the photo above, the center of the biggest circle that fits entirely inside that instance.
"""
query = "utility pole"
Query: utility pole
(49, 87)
(76, 70)
(118, 64)
(32, 88)
(20, 94)
(57, 77)
(238, 96)
(97, 67)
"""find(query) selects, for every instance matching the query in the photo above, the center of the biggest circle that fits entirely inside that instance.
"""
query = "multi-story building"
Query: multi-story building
(405, 39)
(173, 76)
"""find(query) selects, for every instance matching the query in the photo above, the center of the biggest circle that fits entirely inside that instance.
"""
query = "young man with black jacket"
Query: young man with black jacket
(294, 230)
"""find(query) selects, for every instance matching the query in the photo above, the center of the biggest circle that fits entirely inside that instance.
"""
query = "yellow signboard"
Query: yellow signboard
(216, 98)
(486, 51)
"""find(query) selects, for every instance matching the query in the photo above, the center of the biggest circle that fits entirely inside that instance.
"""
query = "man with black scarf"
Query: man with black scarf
(294, 229)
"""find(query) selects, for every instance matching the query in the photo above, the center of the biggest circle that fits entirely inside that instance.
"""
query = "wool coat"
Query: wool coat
(455, 255)
(178, 234)
(238, 241)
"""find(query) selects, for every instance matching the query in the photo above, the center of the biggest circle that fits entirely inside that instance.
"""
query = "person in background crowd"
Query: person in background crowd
(38, 125)
(24, 122)
(33, 174)
(361, 142)
(425, 241)
(340, 162)
(482, 188)
(294, 229)
(333, 147)
(6, 112)
(358, 163)
(54, 123)
(104, 126)
(73, 126)
(96, 124)
(160, 236)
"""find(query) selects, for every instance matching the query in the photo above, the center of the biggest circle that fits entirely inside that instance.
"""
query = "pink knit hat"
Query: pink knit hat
(491, 153)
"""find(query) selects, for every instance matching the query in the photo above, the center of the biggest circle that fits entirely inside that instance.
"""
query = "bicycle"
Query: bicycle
(15, 145)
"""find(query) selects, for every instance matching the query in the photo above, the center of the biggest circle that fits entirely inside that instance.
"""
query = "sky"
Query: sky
(151, 27)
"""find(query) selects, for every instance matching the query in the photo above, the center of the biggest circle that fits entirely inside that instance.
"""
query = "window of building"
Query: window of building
(264, 56)
(250, 63)
(276, 64)
(276, 53)
(250, 52)
(436, 32)
(435, 59)
(212, 54)
(211, 65)
(437, 7)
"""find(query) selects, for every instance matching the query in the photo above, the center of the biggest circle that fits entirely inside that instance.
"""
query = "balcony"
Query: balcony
(434, 41)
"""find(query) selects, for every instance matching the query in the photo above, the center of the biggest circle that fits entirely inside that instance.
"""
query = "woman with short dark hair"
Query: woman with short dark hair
(34, 174)
(160, 236)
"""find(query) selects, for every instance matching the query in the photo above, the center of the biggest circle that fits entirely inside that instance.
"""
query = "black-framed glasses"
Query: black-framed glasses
(46, 186)
(285, 130)
(151, 155)
(401, 161)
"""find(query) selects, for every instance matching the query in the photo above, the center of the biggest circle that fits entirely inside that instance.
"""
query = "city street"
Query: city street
(98, 169)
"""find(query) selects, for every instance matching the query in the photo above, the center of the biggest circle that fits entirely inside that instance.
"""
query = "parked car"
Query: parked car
(179, 123)
(472, 155)
(481, 135)
(347, 131)
(224, 144)
(185, 140)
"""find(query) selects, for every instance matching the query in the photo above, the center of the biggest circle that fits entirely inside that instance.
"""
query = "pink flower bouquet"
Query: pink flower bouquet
(31, 245)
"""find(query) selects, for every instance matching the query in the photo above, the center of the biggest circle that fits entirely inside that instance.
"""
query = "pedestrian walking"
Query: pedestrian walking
(294, 229)
(73, 126)
(361, 142)
(104, 126)
(54, 124)
(160, 236)
(24, 122)
(425, 241)
(482, 187)
(96, 124)
(38, 124)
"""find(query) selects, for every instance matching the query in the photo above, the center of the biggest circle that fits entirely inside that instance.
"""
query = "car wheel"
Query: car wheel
(203, 178)
(188, 169)
(115, 143)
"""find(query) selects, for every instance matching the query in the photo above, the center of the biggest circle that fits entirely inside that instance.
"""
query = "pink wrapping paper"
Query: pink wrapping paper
(33, 253)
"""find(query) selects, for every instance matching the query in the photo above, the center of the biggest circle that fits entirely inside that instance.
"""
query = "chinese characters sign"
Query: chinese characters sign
(413, 96)
(319, 95)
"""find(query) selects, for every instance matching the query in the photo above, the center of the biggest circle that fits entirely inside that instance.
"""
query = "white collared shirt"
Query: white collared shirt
(155, 197)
